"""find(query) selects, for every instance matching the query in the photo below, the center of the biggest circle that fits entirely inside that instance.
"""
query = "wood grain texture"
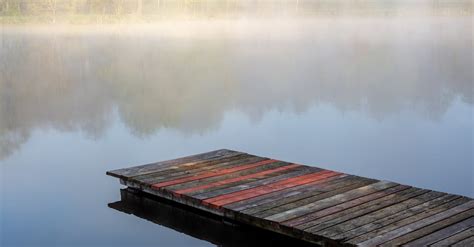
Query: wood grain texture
(299, 171)
(401, 219)
(286, 195)
(465, 242)
(455, 238)
(236, 178)
(443, 232)
(280, 185)
(345, 205)
(309, 203)
(357, 233)
(184, 170)
(192, 184)
(303, 196)
(343, 230)
(331, 201)
(312, 199)
(158, 166)
(429, 229)
(208, 174)
(407, 229)
(366, 208)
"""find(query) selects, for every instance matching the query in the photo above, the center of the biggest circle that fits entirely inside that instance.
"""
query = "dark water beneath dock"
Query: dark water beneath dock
(383, 97)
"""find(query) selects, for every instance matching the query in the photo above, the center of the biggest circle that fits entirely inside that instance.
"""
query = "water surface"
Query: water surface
(386, 97)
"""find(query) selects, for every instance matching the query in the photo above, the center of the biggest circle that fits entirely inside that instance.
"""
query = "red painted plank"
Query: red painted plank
(275, 184)
(292, 182)
(271, 188)
(279, 183)
(211, 174)
(231, 180)
(289, 183)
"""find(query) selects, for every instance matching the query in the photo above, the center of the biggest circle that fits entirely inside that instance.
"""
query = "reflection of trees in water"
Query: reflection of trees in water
(70, 81)
(170, 84)
(44, 85)
(350, 69)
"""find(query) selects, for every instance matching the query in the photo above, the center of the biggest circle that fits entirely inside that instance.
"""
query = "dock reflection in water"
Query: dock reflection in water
(199, 225)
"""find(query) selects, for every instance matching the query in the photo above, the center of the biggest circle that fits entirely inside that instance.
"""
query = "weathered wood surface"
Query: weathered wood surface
(308, 203)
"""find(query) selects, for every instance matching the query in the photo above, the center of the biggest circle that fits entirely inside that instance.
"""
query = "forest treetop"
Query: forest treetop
(117, 11)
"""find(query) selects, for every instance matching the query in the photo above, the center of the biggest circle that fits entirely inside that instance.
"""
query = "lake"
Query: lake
(386, 97)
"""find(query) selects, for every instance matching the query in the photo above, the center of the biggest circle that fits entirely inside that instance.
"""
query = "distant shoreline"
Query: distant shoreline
(96, 19)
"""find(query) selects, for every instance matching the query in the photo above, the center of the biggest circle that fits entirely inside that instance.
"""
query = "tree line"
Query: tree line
(123, 7)
(118, 7)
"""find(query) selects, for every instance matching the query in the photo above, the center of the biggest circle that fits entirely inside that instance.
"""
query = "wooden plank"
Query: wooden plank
(417, 225)
(304, 178)
(280, 182)
(275, 208)
(457, 237)
(393, 218)
(243, 178)
(143, 169)
(468, 242)
(345, 205)
(401, 220)
(337, 230)
(204, 181)
(313, 187)
(280, 185)
(416, 234)
(240, 180)
(193, 167)
(296, 172)
(307, 194)
(254, 192)
(211, 174)
(443, 232)
(367, 223)
(366, 208)
(328, 202)
(248, 183)
(185, 170)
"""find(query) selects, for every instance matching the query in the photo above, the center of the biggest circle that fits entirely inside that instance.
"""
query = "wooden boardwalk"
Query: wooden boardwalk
(308, 203)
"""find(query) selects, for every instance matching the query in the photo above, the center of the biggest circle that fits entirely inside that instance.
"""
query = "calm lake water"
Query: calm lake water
(387, 97)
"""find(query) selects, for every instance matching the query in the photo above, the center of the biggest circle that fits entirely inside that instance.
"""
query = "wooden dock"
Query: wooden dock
(308, 203)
